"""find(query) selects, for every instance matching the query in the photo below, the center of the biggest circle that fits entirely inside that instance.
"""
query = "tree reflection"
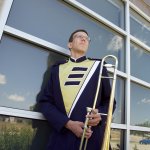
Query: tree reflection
(43, 130)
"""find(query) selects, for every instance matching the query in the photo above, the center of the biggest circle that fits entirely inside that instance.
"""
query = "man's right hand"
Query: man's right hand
(77, 128)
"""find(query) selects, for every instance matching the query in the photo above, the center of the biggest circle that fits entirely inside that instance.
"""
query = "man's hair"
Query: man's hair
(72, 34)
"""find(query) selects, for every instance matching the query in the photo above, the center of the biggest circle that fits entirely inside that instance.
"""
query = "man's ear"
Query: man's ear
(70, 45)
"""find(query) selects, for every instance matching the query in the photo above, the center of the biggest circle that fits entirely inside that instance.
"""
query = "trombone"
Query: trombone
(106, 139)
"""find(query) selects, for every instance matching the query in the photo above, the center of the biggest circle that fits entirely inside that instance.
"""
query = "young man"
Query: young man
(71, 88)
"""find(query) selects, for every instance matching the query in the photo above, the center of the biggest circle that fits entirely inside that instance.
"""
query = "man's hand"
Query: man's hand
(77, 128)
(95, 118)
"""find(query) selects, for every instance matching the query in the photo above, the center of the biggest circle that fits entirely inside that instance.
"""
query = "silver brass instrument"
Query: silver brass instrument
(106, 139)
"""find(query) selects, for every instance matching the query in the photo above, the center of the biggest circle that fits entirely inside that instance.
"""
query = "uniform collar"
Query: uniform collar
(78, 60)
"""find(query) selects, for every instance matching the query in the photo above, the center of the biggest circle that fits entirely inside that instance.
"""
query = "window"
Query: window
(24, 71)
(104, 40)
(23, 134)
(140, 103)
(117, 139)
(140, 61)
(140, 28)
(115, 7)
(139, 140)
(118, 116)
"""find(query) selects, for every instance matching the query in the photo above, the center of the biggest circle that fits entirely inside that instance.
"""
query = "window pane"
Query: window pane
(115, 7)
(23, 134)
(140, 103)
(139, 140)
(140, 28)
(26, 134)
(118, 116)
(117, 139)
(140, 62)
(104, 41)
(22, 66)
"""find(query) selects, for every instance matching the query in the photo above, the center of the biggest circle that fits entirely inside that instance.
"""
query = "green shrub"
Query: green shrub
(16, 136)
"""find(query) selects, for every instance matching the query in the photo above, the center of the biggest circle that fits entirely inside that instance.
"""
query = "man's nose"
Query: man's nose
(83, 38)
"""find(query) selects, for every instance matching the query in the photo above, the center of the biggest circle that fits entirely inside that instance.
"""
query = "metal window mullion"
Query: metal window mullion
(4, 15)
(139, 128)
(43, 43)
(35, 40)
(95, 15)
(118, 126)
(127, 91)
(119, 73)
(139, 43)
(21, 113)
(38, 41)
(139, 81)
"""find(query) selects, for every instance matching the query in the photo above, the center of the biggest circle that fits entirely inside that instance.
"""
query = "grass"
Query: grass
(16, 136)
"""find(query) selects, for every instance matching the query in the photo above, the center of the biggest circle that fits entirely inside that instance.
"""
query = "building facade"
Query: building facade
(34, 34)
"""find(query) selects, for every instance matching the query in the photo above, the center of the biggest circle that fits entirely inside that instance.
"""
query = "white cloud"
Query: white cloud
(115, 44)
(138, 51)
(2, 79)
(16, 98)
(145, 101)
(138, 103)
(97, 38)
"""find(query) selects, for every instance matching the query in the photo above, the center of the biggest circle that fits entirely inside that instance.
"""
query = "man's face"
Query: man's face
(80, 42)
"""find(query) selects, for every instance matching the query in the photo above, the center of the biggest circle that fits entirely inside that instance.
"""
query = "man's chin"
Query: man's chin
(81, 51)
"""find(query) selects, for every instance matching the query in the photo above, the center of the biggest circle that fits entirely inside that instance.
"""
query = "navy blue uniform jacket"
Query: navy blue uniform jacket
(52, 107)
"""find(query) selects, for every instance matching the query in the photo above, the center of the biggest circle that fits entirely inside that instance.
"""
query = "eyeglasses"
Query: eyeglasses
(83, 37)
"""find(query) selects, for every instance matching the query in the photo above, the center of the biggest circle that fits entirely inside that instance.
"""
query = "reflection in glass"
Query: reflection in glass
(117, 139)
(139, 140)
(118, 116)
(1, 5)
(23, 68)
(115, 7)
(140, 62)
(26, 134)
(23, 134)
(140, 103)
(103, 40)
(140, 28)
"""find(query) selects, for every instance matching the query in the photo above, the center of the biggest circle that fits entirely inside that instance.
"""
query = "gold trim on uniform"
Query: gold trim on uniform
(72, 85)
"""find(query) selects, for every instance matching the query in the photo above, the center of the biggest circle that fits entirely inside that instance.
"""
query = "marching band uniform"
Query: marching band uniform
(59, 102)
